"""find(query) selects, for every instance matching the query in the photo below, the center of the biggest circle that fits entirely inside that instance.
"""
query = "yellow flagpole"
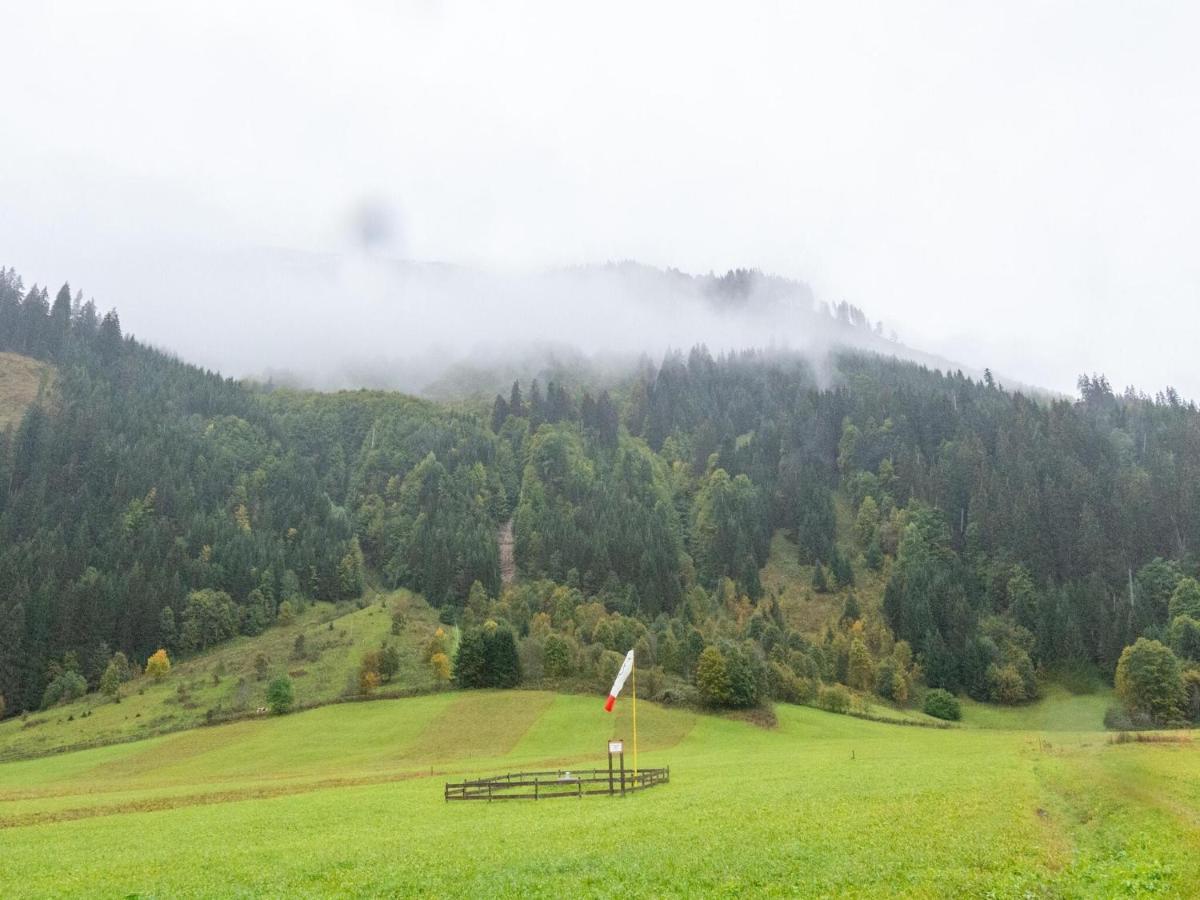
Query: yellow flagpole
(635, 720)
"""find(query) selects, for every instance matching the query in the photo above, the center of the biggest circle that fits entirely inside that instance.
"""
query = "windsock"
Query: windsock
(626, 668)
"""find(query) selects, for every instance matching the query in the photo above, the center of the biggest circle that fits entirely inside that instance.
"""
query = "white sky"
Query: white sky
(1009, 184)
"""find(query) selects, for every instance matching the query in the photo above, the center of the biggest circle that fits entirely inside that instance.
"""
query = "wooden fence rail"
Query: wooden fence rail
(561, 783)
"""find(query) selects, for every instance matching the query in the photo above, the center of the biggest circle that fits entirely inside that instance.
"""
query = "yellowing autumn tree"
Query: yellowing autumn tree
(368, 681)
(861, 673)
(158, 665)
(368, 672)
(436, 645)
(440, 663)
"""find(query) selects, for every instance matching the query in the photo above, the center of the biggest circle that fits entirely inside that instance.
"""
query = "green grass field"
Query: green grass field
(347, 800)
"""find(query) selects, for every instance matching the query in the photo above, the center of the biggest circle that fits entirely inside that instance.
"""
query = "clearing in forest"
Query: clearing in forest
(22, 381)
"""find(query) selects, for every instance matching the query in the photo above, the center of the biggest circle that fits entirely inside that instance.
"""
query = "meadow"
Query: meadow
(346, 800)
(230, 680)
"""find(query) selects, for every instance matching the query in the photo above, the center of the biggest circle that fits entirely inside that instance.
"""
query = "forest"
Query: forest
(147, 503)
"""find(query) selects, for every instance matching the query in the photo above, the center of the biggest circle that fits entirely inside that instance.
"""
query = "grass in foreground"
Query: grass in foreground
(341, 800)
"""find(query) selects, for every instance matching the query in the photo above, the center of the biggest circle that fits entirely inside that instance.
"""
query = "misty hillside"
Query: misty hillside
(974, 538)
(361, 320)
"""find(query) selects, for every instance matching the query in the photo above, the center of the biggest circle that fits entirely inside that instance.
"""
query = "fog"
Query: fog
(1009, 186)
(362, 319)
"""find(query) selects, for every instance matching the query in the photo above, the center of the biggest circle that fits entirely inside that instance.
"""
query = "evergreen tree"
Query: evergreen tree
(820, 584)
(516, 405)
(500, 412)
(470, 660)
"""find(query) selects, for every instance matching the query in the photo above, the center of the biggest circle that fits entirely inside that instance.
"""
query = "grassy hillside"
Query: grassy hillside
(785, 577)
(22, 381)
(347, 800)
(226, 681)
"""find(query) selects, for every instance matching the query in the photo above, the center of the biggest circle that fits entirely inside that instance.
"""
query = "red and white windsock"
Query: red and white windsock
(626, 668)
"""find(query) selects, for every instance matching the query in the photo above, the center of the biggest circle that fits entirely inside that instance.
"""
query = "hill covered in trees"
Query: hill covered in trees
(974, 536)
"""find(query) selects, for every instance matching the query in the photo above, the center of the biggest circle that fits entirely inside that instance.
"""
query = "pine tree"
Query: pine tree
(503, 662)
(110, 343)
(516, 406)
(500, 413)
(470, 660)
(819, 582)
(60, 322)
(850, 611)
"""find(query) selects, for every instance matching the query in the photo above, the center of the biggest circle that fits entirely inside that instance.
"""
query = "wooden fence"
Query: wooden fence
(562, 783)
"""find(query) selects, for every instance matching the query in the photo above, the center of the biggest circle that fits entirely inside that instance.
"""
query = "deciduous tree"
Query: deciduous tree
(1149, 681)
(158, 665)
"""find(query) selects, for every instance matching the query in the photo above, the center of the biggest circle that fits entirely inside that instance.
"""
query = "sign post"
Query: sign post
(616, 747)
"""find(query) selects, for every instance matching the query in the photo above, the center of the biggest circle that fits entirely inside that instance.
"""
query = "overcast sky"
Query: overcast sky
(1009, 184)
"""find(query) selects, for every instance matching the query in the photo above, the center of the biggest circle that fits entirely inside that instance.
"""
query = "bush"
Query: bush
(389, 662)
(66, 687)
(280, 695)
(941, 704)
(678, 695)
(834, 698)
(368, 681)
(1118, 718)
(286, 614)
(1149, 680)
(1005, 684)
(368, 672)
